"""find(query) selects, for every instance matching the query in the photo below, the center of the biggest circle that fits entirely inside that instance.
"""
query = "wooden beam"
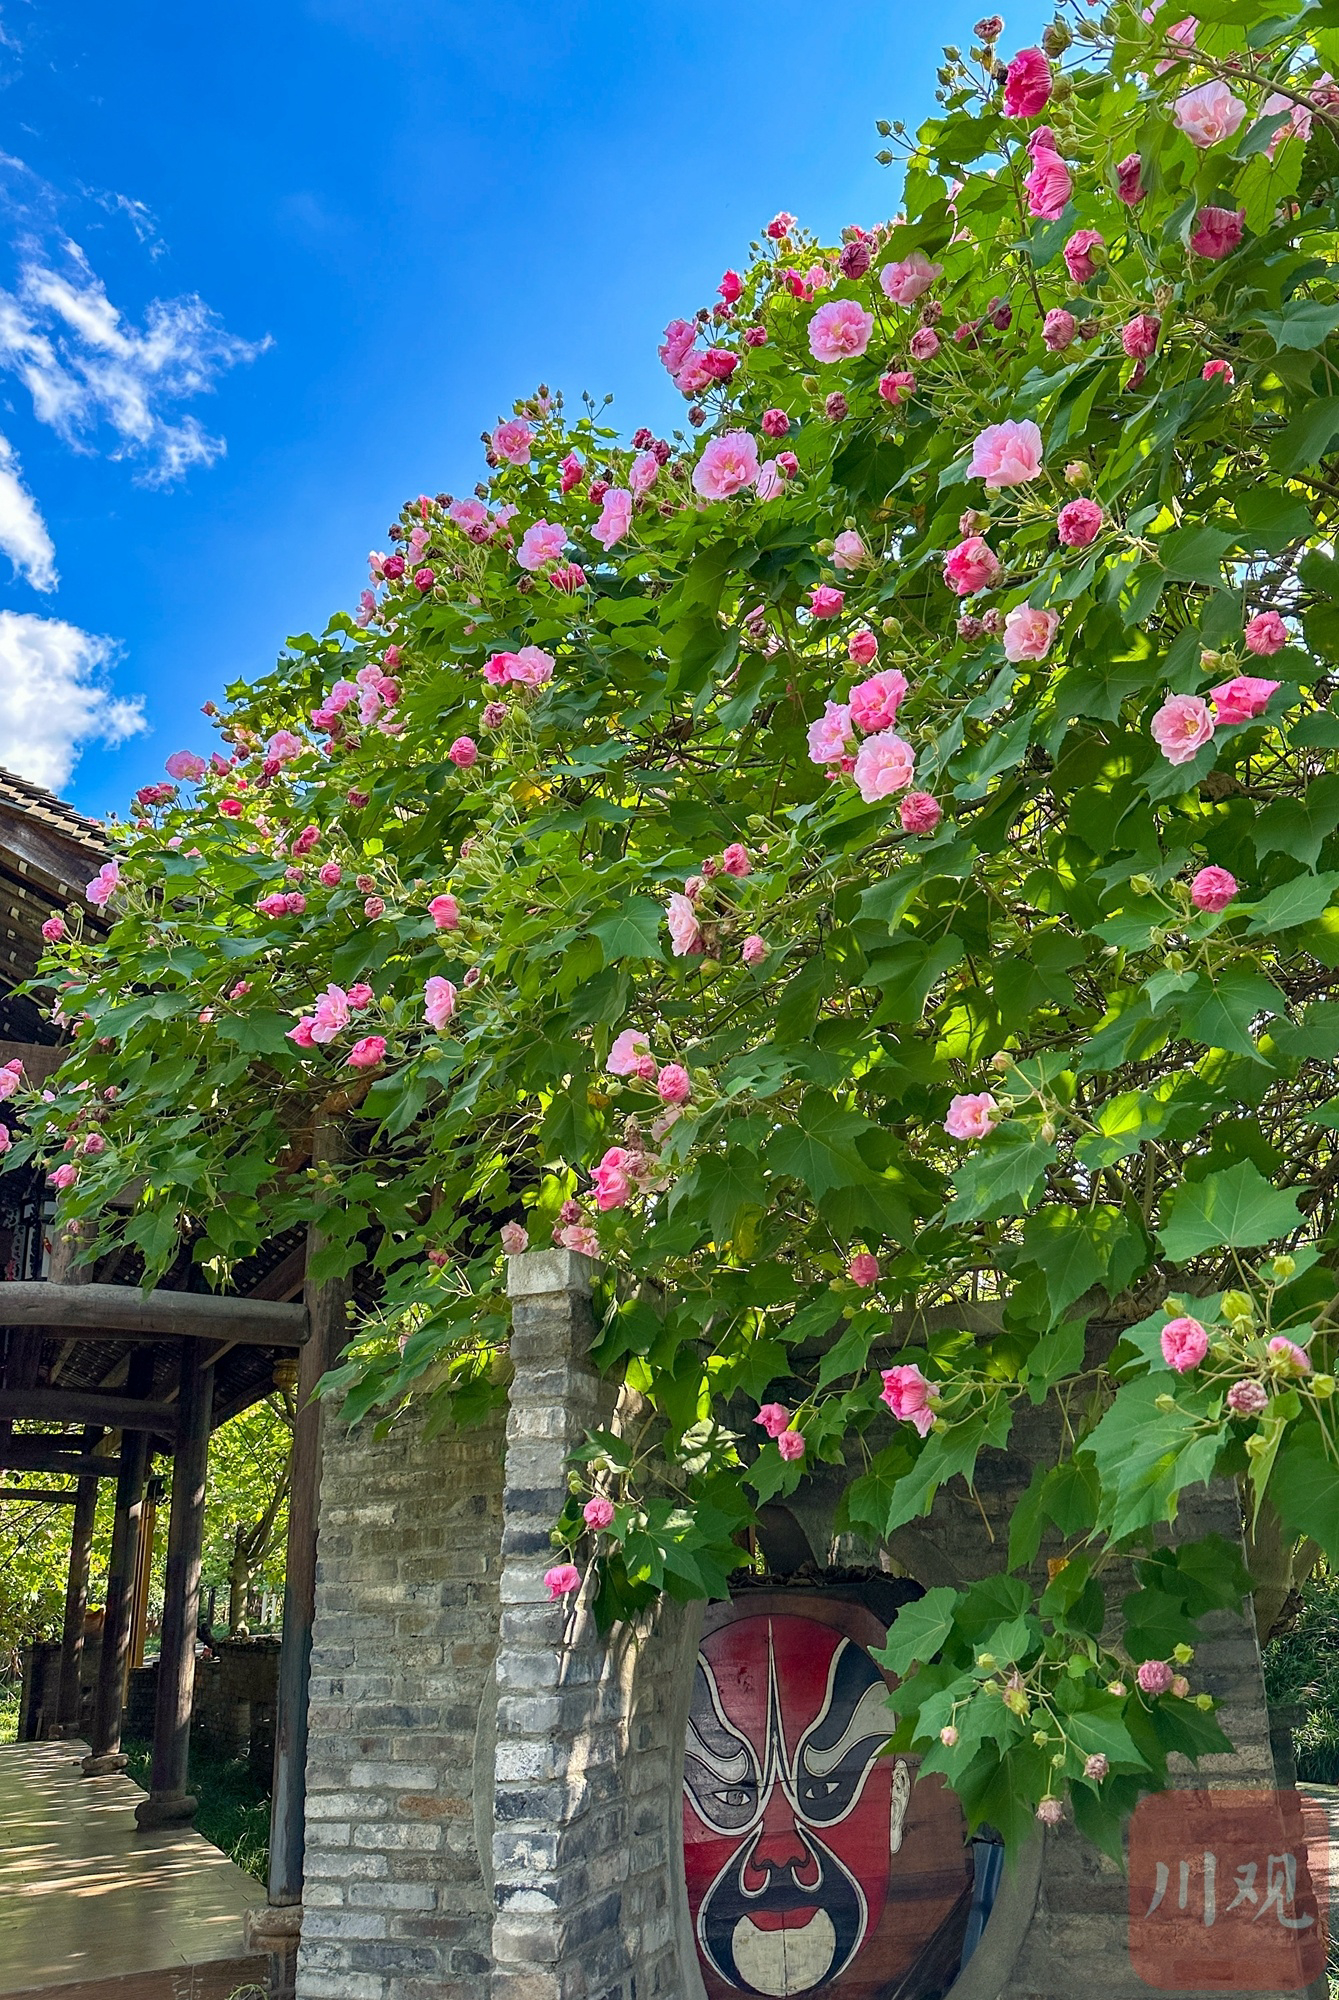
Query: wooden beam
(28, 1455)
(110, 1312)
(81, 1406)
(39, 1059)
(169, 1802)
(50, 1496)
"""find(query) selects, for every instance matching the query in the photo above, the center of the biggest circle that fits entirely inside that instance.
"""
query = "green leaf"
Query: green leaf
(1236, 1209)
(918, 1631)
(1303, 323)
(1299, 901)
(631, 931)
(1195, 554)
(1100, 1731)
(1309, 436)
(1220, 1015)
(1146, 1456)
(1305, 1486)
(820, 1149)
(1300, 826)
(1001, 1177)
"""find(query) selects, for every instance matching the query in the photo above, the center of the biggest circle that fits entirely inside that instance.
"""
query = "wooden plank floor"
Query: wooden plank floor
(93, 1909)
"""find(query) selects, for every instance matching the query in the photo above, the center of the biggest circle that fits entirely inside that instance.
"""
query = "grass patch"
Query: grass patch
(1302, 1667)
(234, 1809)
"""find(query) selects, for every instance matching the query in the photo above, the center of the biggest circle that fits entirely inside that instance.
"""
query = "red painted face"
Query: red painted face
(788, 1809)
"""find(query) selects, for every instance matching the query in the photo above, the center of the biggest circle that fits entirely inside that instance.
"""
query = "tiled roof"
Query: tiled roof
(44, 806)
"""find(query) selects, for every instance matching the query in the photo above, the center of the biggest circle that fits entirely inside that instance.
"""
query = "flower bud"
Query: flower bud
(1058, 1760)
(1117, 1688)
(1077, 474)
(1204, 1701)
(1283, 1268)
(1041, 1738)
(1143, 885)
(1056, 38)
(1322, 1386)
(893, 627)
(1238, 1305)
(1183, 1654)
(987, 1662)
(1164, 1403)
(1257, 1445)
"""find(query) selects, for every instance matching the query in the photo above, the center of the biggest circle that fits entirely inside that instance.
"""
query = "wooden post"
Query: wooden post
(76, 1600)
(105, 1750)
(169, 1802)
(139, 1604)
(327, 1305)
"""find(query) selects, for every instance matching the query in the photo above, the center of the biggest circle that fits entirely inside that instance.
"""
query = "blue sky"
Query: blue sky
(265, 271)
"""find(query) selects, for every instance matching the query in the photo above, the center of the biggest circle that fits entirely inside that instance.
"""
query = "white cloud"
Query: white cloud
(84, 364)
(54, 697)
(23, 532)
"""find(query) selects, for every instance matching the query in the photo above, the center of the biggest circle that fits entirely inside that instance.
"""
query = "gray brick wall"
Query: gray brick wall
(395, 1901)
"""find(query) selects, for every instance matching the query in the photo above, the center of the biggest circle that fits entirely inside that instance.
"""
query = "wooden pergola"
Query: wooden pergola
(117, 1376)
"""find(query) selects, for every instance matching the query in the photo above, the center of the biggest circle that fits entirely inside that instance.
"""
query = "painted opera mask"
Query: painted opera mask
(795, 1828)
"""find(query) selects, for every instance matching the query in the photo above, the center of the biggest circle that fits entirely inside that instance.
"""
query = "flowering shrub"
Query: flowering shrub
(844, 871)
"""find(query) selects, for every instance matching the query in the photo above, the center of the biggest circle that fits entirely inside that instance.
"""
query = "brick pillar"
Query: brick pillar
(560, 1817)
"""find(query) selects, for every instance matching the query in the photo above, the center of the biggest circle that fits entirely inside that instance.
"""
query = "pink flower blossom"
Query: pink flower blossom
(445, 913)
(1217, 232)
(1213, 889)
(753, 950)
(1079, 260)
(11, 1077)
(919, 812)
(64, 1177)
(907, 1394)
(185, 764)
(598, 1512)
(329, 874)
(104, 884)
(53, 930)
(570, 473)
(439, 1002)
(848, 551)
(775, 423)
(727, 466)
(884, 764)
(781, 225)
(367, 1053)
(644, 474)
(540, 545)
(1130, 181)
(1096, 1767)
(923, 345)
(1027, 84)
(774, 1418)
(464, 752)
(579, 1236)
(1293, 1357)
(1139, 336)
(532, 667)
(360, 995)
(825, 601)
(1050, 1811)
(1028, 633)
(330, 1015)
(273, 905)
(374, 908)
(790, 1445)
(840, 331)
(903, 282)
(1248, 1399)
(1182, 727)
(1214, 371)
(972, 566)
(632, 1048)
(684, 929)
(1184, 1344)
(302, 1034)
(1209, 114)
(1241, 699)
(972, 1116)
(1154, 1676)
(862, 647)
(1058, 330)
(613, 1182)
(561, 1581)
(615, 517)
(771, 480)
(1007, 454)
(1266, 633)
(512, 440)
(674, 1084)
(875, 702)
(674, 348)
(1297, 125)
(736, 859)
(1079, 523)
(863, 1270)
(1048, 186)
(897, 386)
(515, 1240)
(231, 808)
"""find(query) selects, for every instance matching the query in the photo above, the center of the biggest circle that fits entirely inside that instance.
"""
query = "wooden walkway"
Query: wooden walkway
(93, 1909)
